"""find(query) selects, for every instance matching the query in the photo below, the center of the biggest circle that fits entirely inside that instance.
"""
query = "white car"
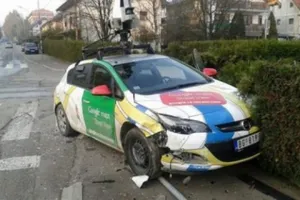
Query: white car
(162, 113)
(9, 45)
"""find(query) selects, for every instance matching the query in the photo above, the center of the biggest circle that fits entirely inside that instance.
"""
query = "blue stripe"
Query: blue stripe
(197, 168)
(215, 115)
(131, 120)
(141, 108)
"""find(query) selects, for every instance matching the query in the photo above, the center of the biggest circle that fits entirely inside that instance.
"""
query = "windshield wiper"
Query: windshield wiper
(182, 86)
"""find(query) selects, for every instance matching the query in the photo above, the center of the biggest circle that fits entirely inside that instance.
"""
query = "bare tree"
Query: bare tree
(150, 17)
(212, 15)
(94, 16)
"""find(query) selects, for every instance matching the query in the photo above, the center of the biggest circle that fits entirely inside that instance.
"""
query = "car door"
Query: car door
(98, 111)
(78, 80)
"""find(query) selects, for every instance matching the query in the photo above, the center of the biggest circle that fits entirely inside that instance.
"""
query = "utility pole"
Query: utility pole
(40, 27)
(76, 21)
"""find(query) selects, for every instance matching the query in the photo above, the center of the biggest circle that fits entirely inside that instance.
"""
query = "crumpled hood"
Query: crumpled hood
(192, 101)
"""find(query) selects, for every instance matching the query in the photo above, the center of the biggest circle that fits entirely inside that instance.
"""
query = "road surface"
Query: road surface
(37, 163)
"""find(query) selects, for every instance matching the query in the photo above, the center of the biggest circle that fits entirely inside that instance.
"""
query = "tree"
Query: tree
(15, 27)
(179, 23)
(94, 16)
(237, 26)
(213, 16)
(149, 11)
(273, 28)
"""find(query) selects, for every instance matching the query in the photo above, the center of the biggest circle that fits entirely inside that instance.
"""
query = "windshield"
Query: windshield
(158, 75)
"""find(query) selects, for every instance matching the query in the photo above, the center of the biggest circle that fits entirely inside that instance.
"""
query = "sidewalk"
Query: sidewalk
(49, 62)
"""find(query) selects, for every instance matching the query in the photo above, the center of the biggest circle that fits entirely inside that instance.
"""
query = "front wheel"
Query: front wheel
(142, 155)
(63, 123)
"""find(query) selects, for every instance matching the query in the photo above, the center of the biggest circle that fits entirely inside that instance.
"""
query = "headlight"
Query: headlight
(183, 126)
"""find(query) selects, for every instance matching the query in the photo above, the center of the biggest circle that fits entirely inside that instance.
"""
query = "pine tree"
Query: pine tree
(273, 29)
(237, 26)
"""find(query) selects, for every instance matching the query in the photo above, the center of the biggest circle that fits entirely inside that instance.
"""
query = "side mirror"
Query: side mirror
(101, 90)
(210, 71)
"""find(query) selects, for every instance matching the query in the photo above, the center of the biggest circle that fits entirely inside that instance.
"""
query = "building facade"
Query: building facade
(287, 15)
(41, 13)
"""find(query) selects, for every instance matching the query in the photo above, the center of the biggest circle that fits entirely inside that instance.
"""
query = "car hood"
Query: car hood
(193, 101)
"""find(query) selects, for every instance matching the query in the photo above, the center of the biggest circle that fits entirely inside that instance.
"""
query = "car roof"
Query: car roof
(121, 59)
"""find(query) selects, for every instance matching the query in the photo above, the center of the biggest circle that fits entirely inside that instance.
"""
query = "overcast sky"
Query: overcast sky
(27, 6)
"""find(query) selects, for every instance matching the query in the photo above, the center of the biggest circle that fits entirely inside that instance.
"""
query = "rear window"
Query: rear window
(30, 44)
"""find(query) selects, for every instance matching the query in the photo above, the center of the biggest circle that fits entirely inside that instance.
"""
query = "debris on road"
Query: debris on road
(105, 181)
(140, 180)
(171, 189)
(186, 180)
(73, 192)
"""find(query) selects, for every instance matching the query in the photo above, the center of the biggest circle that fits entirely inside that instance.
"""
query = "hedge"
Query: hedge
(218, 53)
(276, 106)
(68, 50)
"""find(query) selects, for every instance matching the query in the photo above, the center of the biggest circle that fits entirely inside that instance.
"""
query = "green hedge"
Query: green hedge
(68, 50)
(276, 108)
(218, 53)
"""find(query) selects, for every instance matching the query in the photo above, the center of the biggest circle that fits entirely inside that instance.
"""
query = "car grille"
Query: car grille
(225, 151)
(243, 125)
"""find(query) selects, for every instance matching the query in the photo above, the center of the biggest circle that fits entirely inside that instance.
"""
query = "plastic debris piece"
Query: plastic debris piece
(140, 180)
(186, 180)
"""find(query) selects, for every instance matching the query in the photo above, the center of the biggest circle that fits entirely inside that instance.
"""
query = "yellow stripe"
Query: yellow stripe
(233, 99)
(140, 117)
(67, 96)
(254, 129)
(56, 100)
(168, 158)
(214, 161)
(119, 116)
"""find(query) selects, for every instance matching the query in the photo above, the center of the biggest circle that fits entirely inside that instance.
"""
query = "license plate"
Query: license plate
(246, 141)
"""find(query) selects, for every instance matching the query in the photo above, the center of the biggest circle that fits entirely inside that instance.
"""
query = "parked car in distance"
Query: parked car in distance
(31, 47)
(9, 45)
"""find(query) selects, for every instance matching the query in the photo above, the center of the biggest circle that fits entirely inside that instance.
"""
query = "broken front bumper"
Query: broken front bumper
(210, 157)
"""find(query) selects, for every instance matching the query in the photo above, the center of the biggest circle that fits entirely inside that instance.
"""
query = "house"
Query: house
(69, 13)
(35, 15)
(55, 23)
(287, 18)
(256, 13)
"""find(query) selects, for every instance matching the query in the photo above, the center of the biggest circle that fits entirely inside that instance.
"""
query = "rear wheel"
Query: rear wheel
(142, 155)
(63, 122)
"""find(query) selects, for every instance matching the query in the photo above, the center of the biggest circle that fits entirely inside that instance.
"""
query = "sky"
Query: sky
(26, 6)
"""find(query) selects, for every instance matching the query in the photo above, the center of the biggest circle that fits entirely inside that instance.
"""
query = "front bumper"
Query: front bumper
(210, 157)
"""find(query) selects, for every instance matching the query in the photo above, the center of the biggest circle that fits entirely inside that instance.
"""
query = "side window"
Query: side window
(80, 76)
(101, 76)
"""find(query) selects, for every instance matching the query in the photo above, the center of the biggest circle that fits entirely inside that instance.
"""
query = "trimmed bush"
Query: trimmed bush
(276, 108)
(68, 50)
(232, 51)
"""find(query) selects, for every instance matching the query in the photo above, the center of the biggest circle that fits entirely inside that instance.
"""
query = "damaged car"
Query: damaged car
(164, 114)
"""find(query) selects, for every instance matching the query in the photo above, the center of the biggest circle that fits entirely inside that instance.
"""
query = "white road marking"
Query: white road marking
(20, 127)
(16, 163)
(9, 66)
(24, 66)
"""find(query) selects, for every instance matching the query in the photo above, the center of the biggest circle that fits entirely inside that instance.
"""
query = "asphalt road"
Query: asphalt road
(37, 163)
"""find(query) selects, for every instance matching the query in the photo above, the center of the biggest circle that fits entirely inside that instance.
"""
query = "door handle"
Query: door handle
(86, 101)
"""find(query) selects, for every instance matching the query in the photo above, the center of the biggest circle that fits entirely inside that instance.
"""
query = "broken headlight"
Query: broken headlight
(183, 126)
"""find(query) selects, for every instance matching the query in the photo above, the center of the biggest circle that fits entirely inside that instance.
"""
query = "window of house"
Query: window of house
(291, 4)
(163, 20)
(143, 15)
(278, 21)
(248, 19)
(260, 20)
(291, 21)
(71, 20)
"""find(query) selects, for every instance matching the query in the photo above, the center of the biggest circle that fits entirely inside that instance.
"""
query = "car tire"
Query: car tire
(63, 123)
(149, 160)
